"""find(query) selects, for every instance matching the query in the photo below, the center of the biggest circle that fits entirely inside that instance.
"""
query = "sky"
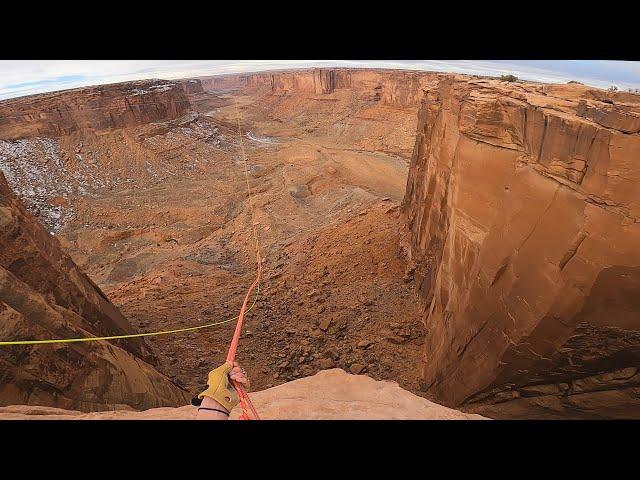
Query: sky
(26, 77)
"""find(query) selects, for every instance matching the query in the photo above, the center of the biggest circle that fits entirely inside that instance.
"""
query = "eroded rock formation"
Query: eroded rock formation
(96, 108)
(44, 295)
(523, 206)
(392, 87)
(57, 146)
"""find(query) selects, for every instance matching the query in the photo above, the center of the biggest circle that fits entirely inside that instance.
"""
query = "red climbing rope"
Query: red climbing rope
(245, 401)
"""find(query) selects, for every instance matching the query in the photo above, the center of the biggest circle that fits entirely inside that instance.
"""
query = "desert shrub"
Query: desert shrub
(508, 78)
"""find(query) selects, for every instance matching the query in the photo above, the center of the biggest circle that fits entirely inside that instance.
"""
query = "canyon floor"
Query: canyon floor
(174, 249)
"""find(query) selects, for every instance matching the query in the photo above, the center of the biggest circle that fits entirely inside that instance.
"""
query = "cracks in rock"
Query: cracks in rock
(540, 356)
(544, 135)
(588, 198)
(501, 271)
(511, 342)
(462, 349)
(538, 221)
(479, 139)
(573, 249)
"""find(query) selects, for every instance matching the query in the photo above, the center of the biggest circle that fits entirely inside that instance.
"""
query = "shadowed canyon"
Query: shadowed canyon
(472, 239)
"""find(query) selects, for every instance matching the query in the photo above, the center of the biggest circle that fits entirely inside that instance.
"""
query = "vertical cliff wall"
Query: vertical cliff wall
(192, 86)
(401, 88)
(92, 108)
(44, 295)
(523, 208)
(223, 82)
(391, 87)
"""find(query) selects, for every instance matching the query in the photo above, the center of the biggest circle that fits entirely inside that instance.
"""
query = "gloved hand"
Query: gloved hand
(220, 387)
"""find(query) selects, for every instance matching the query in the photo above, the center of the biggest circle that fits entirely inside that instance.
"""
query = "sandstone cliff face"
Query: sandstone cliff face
(44, 295)
(192, 86)
(224, 82)
(523, 207)
(391, 87)
(400, 88)
(57, 146)
(92, 108)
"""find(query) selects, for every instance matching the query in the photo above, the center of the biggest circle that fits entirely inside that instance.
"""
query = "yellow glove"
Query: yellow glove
(220, 387)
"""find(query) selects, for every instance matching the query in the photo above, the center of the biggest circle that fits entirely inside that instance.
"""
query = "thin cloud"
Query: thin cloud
(18, 78)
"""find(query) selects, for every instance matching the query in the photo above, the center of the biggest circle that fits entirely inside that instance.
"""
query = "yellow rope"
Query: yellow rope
(133, 335)
(249, 191)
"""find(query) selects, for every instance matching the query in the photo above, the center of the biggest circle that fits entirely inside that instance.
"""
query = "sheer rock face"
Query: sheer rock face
(96, 108)
(523, 209)
(400, 88)
(392, 87)
(44, 295)
(192, 86)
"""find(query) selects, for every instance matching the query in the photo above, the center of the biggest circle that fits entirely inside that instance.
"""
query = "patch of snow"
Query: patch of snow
(33, 168)
(261, 140)
(154, 88)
